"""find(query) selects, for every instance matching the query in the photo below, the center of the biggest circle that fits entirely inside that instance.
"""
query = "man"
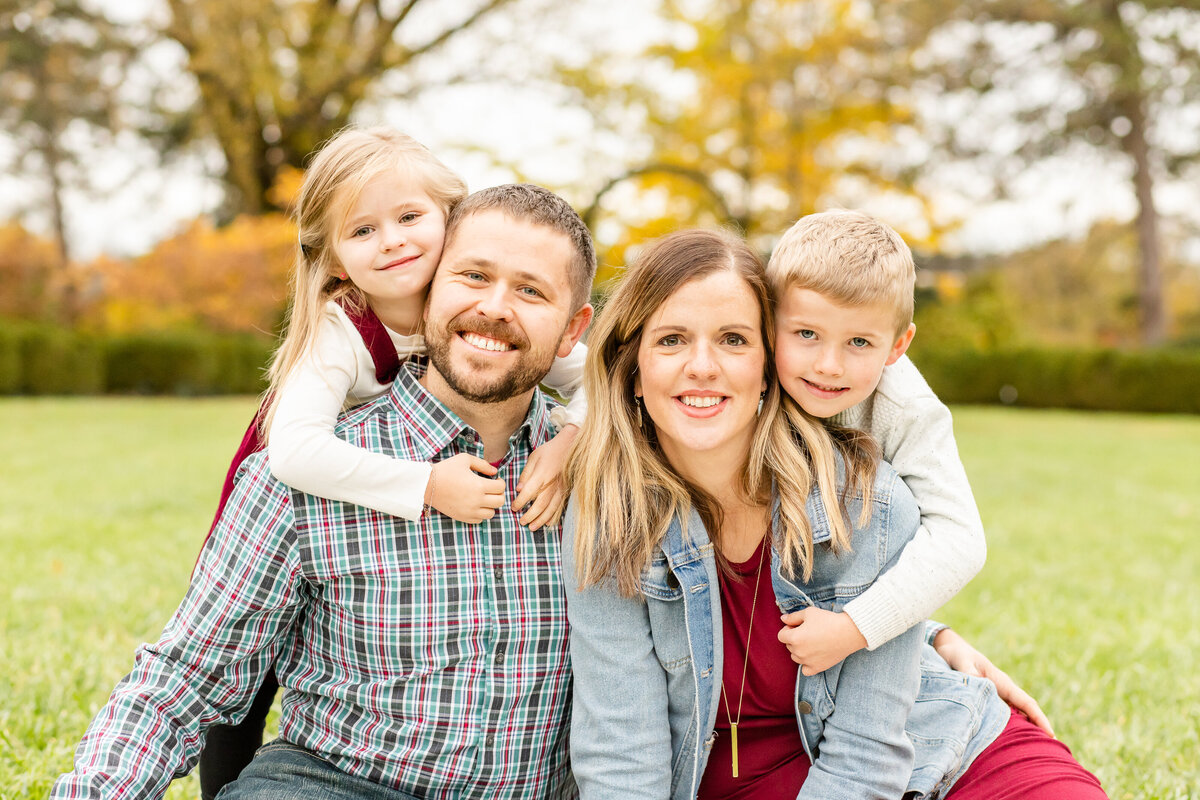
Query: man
(417, 659)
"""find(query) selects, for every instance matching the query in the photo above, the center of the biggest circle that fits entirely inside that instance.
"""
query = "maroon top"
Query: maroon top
(387, 364)
(771, 759)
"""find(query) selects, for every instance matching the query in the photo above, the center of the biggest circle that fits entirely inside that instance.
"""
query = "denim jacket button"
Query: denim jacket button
(804, 707)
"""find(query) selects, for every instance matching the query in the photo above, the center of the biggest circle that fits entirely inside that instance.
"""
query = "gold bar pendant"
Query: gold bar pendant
(733, 744)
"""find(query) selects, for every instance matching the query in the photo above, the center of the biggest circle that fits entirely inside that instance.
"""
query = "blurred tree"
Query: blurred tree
(1044, 78)
(754, 112)
(29, 265)
(62, 65)
(278, 77)
(227, 279)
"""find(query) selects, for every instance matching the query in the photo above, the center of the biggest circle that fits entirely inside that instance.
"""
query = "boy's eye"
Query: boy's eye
(859, 341)
(805, 333)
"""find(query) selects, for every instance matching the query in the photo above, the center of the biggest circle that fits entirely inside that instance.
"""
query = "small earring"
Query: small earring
(342, 276)
(760, 402)
(637, 404)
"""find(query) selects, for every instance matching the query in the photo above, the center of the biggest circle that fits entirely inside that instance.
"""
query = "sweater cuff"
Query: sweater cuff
(878, 622)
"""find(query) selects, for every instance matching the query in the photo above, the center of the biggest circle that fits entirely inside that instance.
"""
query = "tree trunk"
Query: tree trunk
(1150, 284)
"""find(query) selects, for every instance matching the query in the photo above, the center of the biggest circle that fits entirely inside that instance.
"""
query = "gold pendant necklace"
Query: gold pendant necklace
(733, 723)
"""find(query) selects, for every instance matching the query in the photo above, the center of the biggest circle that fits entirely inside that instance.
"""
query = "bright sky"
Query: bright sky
(144, 202)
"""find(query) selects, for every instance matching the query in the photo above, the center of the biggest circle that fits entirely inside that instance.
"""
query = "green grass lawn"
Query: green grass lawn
(1090, 598)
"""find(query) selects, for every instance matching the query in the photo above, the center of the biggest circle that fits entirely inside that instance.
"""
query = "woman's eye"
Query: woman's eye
(734, 339)
(670, 340)
(859, 341)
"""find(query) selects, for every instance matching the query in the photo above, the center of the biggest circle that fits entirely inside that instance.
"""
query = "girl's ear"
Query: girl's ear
(901, 345)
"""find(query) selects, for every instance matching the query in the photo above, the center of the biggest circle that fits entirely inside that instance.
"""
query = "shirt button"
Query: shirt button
(499, 655)
(490, 741)
(498, 572)
(804, 707)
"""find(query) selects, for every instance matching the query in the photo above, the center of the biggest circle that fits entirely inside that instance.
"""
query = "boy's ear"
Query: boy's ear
(902, 343)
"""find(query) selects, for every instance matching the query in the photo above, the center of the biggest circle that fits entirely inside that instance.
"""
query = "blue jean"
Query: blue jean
(282, 771)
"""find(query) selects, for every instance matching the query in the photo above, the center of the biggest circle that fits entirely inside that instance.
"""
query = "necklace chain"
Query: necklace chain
(733, 724)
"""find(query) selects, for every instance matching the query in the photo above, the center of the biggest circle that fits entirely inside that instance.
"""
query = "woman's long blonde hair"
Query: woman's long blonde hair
(625, 491)
(336, 176)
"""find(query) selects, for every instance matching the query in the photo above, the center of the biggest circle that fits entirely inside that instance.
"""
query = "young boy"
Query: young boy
(844, 286)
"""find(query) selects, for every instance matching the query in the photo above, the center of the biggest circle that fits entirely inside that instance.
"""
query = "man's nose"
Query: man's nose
(495, 302)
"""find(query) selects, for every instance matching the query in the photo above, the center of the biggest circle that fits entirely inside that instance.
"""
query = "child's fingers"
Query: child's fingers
(545, 510)
(794, 618)
(482, 466)
(525, 494)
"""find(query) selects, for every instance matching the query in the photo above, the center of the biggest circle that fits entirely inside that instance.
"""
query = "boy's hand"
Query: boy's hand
(540, 491)
(458, 489)
(818, 639)
(962, 657)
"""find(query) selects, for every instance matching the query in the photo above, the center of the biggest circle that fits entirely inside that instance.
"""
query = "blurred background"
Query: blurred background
(1040, 157)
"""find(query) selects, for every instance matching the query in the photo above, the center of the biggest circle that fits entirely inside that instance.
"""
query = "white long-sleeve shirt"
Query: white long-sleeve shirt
(916, 433)
(338, 373)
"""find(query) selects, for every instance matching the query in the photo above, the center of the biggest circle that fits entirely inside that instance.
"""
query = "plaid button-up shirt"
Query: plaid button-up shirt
(428, 656)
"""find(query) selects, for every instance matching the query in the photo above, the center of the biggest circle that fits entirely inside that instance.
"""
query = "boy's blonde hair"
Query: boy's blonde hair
(336, 176)
(626, 492)
(849, 257)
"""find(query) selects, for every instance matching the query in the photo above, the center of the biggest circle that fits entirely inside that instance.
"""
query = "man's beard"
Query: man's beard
(526, 373)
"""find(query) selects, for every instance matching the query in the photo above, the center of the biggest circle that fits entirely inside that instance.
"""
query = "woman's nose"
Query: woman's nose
(701, 361)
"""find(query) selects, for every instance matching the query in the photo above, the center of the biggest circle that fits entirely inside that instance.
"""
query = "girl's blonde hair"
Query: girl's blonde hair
(336, 176)
(625, 491)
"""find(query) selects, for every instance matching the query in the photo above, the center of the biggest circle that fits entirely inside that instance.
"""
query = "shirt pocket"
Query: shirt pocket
(663, 594)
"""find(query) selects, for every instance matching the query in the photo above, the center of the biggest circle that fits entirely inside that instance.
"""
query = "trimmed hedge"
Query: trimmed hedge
(1096, 379)
(42, 360)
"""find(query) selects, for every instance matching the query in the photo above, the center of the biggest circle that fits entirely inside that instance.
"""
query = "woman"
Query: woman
(689, 533)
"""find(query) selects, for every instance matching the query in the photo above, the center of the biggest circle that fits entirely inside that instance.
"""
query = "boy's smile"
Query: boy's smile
(830, 356)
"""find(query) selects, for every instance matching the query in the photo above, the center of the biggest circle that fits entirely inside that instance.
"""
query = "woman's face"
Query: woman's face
(700, 369)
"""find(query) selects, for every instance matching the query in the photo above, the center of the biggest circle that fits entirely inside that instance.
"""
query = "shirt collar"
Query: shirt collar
(435, 426)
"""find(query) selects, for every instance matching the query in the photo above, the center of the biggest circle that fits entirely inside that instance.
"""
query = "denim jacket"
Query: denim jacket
(883, 723)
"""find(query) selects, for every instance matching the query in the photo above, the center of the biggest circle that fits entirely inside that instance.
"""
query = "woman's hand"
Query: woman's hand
(962, 657)
(818, 639)
(540, 490)
(457, 488)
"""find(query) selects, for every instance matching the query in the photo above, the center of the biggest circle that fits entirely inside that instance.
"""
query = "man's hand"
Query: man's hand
(962, 657)
(818, 639)
(541, 494)
(457, 488)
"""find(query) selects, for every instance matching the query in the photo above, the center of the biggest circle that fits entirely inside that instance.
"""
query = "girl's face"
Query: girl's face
(389, 244)
(701, 364)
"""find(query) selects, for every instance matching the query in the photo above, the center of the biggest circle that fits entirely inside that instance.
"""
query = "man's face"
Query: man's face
(499, 307)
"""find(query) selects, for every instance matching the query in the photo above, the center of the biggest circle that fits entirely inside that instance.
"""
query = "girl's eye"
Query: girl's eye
(365, 230)
(806, 333)
(859, 341)
(411, 216)
(670, 340)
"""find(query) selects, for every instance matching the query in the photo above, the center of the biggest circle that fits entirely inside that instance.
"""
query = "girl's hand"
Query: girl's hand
(540, 491)
(962, 657)
(818, 639)
(458, 489)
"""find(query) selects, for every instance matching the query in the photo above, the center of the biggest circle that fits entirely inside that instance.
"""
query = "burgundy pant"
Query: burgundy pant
(1024, 763)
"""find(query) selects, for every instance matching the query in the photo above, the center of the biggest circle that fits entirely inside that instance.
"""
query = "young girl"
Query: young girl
(372, 218)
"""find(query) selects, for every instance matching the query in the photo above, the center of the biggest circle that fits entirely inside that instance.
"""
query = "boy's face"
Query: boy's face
(830, 356)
